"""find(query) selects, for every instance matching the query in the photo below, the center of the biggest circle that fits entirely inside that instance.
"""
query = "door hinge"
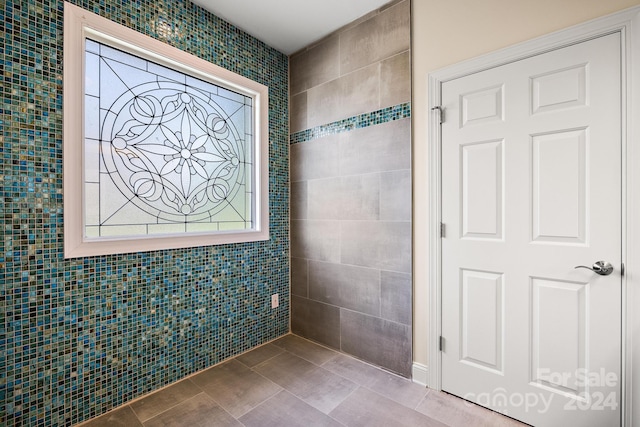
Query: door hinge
(440, 111)
(441, 343)
(443, 229)
(622, 269)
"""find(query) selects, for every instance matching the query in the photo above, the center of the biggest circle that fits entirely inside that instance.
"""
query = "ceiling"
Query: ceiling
(290, 25)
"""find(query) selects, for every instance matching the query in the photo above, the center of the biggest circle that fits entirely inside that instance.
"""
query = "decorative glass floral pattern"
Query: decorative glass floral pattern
(164, 152)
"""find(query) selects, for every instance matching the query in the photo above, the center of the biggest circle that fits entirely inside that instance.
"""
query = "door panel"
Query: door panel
(482, 321)
(532, 188)
(482, 190)
(559, 186)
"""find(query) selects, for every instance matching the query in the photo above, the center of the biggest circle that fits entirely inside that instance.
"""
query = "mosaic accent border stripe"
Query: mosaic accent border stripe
(397, 112)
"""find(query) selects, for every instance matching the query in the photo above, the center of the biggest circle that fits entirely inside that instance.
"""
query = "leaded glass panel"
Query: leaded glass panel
(164, 152)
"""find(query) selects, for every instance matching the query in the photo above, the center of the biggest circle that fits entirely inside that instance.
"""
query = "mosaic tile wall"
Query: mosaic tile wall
(79, 337)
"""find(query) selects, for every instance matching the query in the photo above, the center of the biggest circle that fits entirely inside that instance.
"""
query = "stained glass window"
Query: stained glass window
(164, 152)
(165, 145)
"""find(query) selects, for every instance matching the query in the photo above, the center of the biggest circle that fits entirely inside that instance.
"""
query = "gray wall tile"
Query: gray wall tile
(316, 321)
(299, 277)
(395, 298)
(314, 159)
(298, 117)
(379, 148)
(377, 340)
(347, 286)
(395, 80)
(395, 196)
(377, 38)
(319, 240)
(347, 96)
(351, 192)
(376, 244)
(299, 200)
(316, 65)
(355, 197)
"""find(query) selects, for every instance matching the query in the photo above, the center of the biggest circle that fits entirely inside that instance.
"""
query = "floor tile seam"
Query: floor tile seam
(407, 407)
(344, 400)
(301, 356)
(424, 398)
(391, 399)
(161, 390)
(280, 388)
(266, 360)
(316, 409)
(262, 403)
(364, 362)
(174, 406)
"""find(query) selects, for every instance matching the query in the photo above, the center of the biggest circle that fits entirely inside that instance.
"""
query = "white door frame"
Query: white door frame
(627, 23)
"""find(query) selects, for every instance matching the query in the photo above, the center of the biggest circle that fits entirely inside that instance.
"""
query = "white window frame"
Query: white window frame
(79, 25)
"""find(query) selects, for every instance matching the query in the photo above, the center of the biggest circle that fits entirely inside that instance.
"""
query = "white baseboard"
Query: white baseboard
(420, 374)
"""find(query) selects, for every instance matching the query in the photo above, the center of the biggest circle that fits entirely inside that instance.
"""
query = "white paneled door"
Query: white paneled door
(531, 188)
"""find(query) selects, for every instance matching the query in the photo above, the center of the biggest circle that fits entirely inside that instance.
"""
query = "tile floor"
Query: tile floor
(294, 382)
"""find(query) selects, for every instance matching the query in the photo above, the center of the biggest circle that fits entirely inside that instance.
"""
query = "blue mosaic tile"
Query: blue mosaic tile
(82, 336)
(396, 112)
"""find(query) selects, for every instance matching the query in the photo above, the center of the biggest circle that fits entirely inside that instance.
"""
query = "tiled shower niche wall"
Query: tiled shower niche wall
(81, 336)
(351, 190)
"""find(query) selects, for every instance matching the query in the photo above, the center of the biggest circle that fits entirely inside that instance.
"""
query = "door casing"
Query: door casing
(627, 23)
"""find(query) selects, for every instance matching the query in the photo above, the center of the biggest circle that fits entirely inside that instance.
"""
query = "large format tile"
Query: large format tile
(395, 80)
(355, 370)
(368, 409)
(395, 300)
(259, 355)
(356, 288)
(314, 159)
(384, 35)
(299, 200)
(379, 148)
(376, 340)
(344, 97)
(316, 320)
(298, 118)
(318, 240)
(306, 349)
(456, 412)
(402, 390)
(322, 389)
(284, 409)
(376, 244)
(121, 417)
(299, 277)
(355, 197)
(395, 195)
(316, 65)
(285, 369)
(199, 411)
(159, 401)
(235, 387)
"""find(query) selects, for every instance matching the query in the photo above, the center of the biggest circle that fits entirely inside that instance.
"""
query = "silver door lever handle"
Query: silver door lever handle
(602, 268)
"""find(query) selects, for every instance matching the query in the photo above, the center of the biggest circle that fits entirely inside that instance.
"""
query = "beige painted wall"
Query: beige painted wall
(447, 32)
